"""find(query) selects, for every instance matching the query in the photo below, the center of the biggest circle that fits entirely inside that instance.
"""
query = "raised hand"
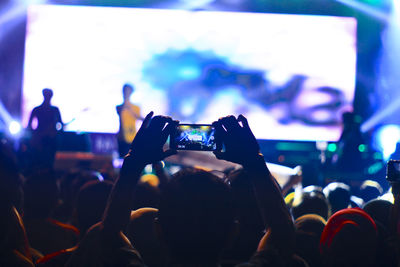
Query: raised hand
(241, 147)
(240, 144)
(147, 146)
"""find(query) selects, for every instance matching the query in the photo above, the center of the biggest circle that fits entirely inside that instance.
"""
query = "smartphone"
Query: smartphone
(393, 171)
(199, 137)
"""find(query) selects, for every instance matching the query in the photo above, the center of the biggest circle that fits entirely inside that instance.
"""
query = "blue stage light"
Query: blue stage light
(14, 127)
(386, 139)
(388, 70)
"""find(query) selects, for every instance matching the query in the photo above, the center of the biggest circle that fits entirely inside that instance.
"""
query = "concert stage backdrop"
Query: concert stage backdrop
(291, 75)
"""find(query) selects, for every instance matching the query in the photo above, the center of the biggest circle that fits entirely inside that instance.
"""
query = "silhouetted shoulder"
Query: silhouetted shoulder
(119, 108)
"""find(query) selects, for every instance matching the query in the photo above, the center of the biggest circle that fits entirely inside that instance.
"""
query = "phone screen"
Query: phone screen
(194, 137)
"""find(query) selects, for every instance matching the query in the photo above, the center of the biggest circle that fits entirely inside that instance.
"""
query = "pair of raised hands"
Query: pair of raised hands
(235, 134)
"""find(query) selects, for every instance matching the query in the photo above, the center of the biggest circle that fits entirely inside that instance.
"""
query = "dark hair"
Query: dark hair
(145, 195)
(338, 195)
(380, 211)
(312, 203)
(91, 203)
(370, 190)
(309, 228)
(252, 227)
(196, 215)
(10, 180)
(40, 195)
(142, 232)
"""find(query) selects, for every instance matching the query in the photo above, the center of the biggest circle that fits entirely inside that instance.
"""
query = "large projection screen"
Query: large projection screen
(291, 75)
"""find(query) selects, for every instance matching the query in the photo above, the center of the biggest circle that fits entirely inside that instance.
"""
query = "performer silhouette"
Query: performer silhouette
(128, 114)
(49, 123)
(348, 160)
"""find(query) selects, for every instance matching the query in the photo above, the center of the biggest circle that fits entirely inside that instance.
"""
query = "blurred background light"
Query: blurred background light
(386, 139)
(332, 147)
(388, 70)
(14, 127)
(193, 4)
(366, 8)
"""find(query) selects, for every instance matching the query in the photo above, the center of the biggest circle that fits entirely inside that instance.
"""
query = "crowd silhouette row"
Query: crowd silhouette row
(191, 217)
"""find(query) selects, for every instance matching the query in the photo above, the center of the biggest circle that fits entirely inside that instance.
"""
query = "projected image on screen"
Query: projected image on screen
(292, 76)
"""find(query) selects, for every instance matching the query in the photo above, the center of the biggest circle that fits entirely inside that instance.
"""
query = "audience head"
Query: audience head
(309, 228)
(145, 195)
(356, 202)
(81, 178)
(313, 202)
(379, 210)
(141, 230)
(196, 215)
(251, 225)
(338, 195)
(370, 190)
(40, 195)
(313, 188)
(244, 199)
(310, 223)
(11, 193)
(349, 239)
(91, 203)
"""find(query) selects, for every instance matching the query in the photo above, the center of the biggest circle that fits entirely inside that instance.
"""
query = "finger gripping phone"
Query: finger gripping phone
(393, 171)
(199, 137)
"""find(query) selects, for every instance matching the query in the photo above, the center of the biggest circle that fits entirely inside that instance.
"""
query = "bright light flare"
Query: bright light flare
(387, 138)
(388, 72)
(14, 127)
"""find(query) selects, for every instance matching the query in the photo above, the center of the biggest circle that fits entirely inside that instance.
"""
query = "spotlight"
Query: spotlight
(14, 128)
(386, 139)
(387, 83)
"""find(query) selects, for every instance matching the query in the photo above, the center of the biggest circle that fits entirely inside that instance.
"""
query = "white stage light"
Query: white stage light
(387, 138)
(14, 127)
(388, 71)
(196, 3)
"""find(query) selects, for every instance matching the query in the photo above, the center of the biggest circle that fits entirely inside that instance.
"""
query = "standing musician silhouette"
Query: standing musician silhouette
(128, 114)
(49, 123)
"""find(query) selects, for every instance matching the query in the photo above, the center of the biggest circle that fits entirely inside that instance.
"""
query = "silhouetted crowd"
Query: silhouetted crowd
(191, 217)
